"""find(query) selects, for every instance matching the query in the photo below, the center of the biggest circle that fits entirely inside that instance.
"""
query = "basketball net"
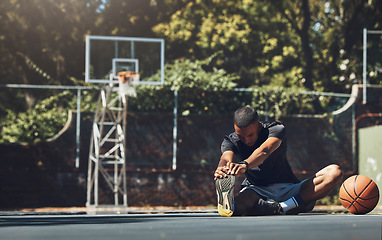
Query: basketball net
(126, 82)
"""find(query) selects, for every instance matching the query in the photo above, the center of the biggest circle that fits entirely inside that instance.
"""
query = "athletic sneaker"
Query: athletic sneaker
(268, 207)
(224, 190)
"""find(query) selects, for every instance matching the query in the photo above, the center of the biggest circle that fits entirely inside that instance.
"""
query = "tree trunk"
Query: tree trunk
(305, 44)
(307, 52)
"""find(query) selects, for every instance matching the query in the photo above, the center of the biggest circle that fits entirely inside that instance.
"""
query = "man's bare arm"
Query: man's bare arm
(257, 157)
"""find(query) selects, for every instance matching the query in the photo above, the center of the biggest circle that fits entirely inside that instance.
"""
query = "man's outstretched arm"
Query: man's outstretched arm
(257, 157)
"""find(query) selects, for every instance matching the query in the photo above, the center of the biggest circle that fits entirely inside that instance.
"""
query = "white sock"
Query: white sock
(289, 204)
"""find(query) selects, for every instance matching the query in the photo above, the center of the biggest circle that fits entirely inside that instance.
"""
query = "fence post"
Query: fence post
(364, 68)
(175, 130)
(78, 128)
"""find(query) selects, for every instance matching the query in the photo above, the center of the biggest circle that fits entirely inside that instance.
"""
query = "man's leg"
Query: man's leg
(317, 187)
(245, 202)
(321, 184)
(312, 189)
(250, 203)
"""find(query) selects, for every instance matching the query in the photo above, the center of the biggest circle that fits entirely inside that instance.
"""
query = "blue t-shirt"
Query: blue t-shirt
(275, 169)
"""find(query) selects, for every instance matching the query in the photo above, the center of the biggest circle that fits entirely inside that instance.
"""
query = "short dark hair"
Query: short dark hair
(245, 116)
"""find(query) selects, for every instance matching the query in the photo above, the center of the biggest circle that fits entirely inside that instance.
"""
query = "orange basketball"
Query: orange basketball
(359, 194)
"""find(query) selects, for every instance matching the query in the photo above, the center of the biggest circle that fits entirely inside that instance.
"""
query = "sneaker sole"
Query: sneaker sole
(224, 190)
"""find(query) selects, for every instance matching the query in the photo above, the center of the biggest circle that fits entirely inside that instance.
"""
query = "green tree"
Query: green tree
(42, 121)
(251, 37)
(201, 89)
(42, 41)
(316, 44)
(133, 18)
(284, 43)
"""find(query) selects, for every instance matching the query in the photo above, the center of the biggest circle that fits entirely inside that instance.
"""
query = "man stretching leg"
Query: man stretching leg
(270, 186)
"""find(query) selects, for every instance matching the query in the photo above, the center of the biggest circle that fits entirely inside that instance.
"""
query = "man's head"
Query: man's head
(245, 116)
(247, 125)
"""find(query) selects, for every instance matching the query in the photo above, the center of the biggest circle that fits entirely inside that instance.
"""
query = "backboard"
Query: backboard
(107, 55)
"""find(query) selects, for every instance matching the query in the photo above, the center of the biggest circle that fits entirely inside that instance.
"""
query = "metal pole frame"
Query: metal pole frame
(107, 147)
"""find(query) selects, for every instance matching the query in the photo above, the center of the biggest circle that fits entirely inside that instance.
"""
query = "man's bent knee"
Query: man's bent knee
(322, 184)
(333, 172)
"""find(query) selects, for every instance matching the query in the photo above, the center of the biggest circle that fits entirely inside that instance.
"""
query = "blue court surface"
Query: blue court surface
(182, 226)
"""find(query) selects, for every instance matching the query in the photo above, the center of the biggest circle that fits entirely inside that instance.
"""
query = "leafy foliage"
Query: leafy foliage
(202, 89)
(45, 119)
(276, 47)
(192, 79)
(38, 123)
(213, 92)
(291, 43)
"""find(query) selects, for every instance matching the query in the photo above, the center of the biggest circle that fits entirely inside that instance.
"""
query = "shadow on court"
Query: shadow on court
(85, 219)
(192, 226)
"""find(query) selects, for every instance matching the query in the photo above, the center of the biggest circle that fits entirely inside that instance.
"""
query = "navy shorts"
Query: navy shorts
(280, 192)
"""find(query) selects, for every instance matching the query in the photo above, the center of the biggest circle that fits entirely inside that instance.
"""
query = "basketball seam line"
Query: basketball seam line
(358, 195)
(351, 203)
(348, 192)
(369, 198)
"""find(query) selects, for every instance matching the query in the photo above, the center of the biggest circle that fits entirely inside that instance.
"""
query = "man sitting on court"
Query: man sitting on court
(270, 186)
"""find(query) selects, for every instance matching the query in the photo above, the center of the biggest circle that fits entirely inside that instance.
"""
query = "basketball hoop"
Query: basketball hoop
(126, 82)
